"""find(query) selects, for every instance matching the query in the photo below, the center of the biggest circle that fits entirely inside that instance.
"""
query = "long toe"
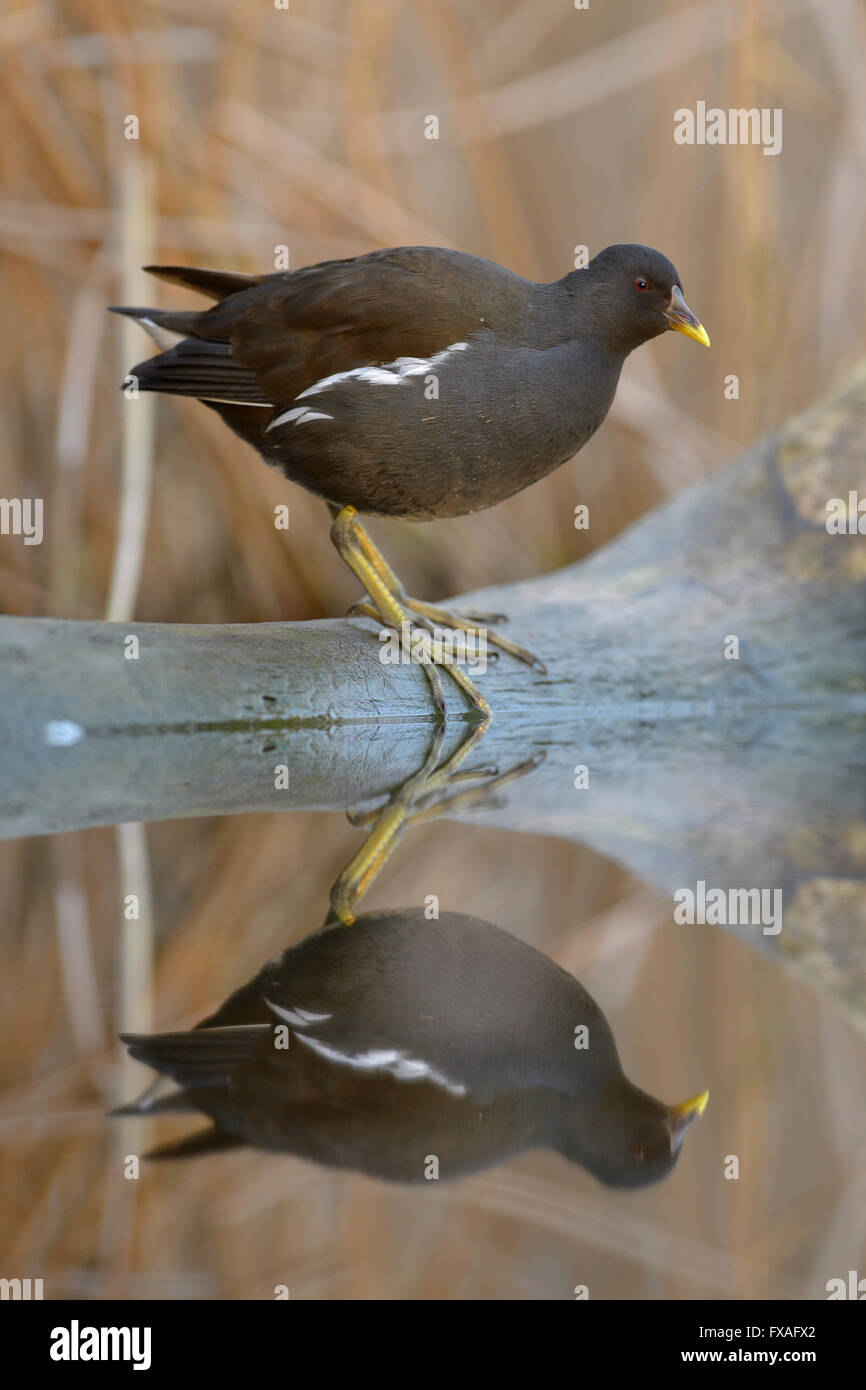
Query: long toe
(442, 618)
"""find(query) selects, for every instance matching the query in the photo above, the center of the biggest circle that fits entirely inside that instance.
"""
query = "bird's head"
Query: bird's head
(626, 1138)
(636, 294)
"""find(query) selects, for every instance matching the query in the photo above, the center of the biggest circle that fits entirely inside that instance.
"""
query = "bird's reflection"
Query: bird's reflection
(436, 789)
(412, 1049)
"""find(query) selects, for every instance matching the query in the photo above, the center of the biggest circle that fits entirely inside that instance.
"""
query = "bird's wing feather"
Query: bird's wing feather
(272, 337)
(296, 329)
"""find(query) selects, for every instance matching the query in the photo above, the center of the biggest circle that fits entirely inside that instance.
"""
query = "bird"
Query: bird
(401, 1041)
(414, 382)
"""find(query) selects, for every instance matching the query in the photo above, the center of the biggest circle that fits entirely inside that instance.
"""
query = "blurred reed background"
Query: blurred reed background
(259, 128)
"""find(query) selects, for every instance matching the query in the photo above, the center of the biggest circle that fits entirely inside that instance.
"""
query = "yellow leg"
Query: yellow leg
(455, 621)
(377, 559)
(379, 580)
(410, 805)
(389, 824)
(431, 671)
(424, 794)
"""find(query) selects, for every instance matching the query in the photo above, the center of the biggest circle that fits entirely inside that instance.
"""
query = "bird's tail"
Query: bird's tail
(199, 1063)
(203, 1141)
(167, 325)
(201, 1058)
(216, 284)
(190, 366)
(196, 358)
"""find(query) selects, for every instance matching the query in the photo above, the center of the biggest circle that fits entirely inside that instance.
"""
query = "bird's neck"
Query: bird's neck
(592, 307)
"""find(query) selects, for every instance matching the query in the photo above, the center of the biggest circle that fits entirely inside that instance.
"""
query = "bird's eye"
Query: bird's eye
(639, 1153)
(641, 284)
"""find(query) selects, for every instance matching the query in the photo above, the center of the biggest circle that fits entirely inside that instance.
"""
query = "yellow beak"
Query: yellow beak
(681, 319)
(681, 1116)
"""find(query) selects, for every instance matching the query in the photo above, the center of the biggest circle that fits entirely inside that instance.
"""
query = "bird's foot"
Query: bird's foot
(430, 792)
(389, 607)
(423, 627)
(439, 797)
(422, 647)
(477, 624)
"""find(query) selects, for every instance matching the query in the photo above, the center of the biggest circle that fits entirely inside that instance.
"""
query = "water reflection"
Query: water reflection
(438, 788)
(414, 1050)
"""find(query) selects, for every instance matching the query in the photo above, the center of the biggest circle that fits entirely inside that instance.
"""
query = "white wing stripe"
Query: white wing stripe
(386, 374)
(394, 1063)
(301, 414)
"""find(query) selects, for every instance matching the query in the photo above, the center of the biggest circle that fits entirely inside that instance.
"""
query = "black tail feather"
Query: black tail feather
(216, 284)
(177, 1101)
(201, 369)
(203, 1057)
(180, 321)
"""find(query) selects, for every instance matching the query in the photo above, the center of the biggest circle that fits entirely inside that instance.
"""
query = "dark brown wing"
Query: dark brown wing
(272, 336)
(292, 330)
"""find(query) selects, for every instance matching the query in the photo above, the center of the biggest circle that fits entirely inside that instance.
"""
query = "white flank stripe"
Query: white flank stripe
(301, 414)
(388, 374)
(390, 1061)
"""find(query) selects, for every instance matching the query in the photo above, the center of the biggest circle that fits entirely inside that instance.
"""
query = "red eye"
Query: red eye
(639, 1153)
(641, 284)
